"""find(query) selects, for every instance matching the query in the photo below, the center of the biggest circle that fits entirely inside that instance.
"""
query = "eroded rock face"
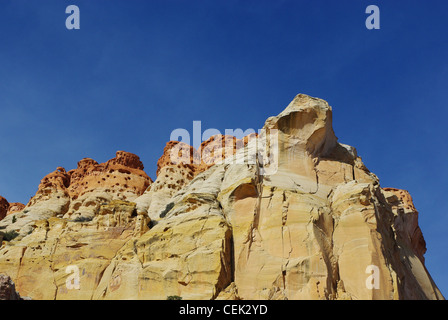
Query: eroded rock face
(313, 226)
(91, 184)
(406, 220)
(180, 163)
(4, 207)
(15, 207)
(79, 193)
(8, 289)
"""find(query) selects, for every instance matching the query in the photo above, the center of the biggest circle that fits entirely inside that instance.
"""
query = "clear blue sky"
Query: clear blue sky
(137, 69)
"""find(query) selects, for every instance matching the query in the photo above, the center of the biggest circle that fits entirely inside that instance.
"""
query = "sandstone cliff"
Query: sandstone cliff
(311, 225)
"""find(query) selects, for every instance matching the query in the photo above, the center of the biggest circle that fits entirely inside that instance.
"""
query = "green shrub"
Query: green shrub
(151, 224)
(14, 219)
(173, 298)
(83, 219)
(167, 209)
(10, 235)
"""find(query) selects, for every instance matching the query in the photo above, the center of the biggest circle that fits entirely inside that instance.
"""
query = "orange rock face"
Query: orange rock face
(124, 172)
(179, 153)
(15, 207)
(121, 175)
(4, 206)
(211, 152)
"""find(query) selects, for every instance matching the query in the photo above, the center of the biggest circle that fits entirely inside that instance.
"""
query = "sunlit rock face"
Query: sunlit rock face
(313, 224)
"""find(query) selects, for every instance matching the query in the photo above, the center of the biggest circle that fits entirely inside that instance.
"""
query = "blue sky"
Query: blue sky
(137, 69)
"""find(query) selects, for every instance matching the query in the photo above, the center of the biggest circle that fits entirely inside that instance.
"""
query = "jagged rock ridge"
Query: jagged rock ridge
(8, 289)
(307, 230)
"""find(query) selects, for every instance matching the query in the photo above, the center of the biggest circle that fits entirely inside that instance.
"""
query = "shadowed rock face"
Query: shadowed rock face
(313, 228)
(4, 207)
(7, 208)
(8, 289)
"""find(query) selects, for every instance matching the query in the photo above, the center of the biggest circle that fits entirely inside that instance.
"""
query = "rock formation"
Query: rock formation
(4, 207)
(8, 289)
(15, 207)
(7, 208)
(313, 224)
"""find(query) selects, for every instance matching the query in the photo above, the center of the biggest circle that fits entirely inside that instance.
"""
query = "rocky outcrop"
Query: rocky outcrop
(406, 220)
(15, 207)
(91, 184)
(79, 193)
(4, 207)
(8, 289)
(290, 214)
(180, 163)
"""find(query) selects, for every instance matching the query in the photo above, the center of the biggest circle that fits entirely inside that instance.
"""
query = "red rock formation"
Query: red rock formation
(125, 171)
(57, 181)
(179, 153)
(219, 147)
(4, 206)
(210, 152)
(7, 208)
(15, 207)
(126, 159)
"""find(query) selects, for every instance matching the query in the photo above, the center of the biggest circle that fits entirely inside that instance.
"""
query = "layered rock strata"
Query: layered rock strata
(313, 224)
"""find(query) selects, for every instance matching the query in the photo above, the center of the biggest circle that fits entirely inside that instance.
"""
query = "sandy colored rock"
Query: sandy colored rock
(177, 166)
(180, 163)
(40, 260)
(290, 214)
(169, 260)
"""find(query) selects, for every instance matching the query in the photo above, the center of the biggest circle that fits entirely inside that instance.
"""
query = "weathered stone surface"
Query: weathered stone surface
(91, 184)
(15, 207)
(314, 224)
(8, 289)
(188, 257)
(406, 220)
(4, 207)
(79, 193)
(40, 260)
(180, 163)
